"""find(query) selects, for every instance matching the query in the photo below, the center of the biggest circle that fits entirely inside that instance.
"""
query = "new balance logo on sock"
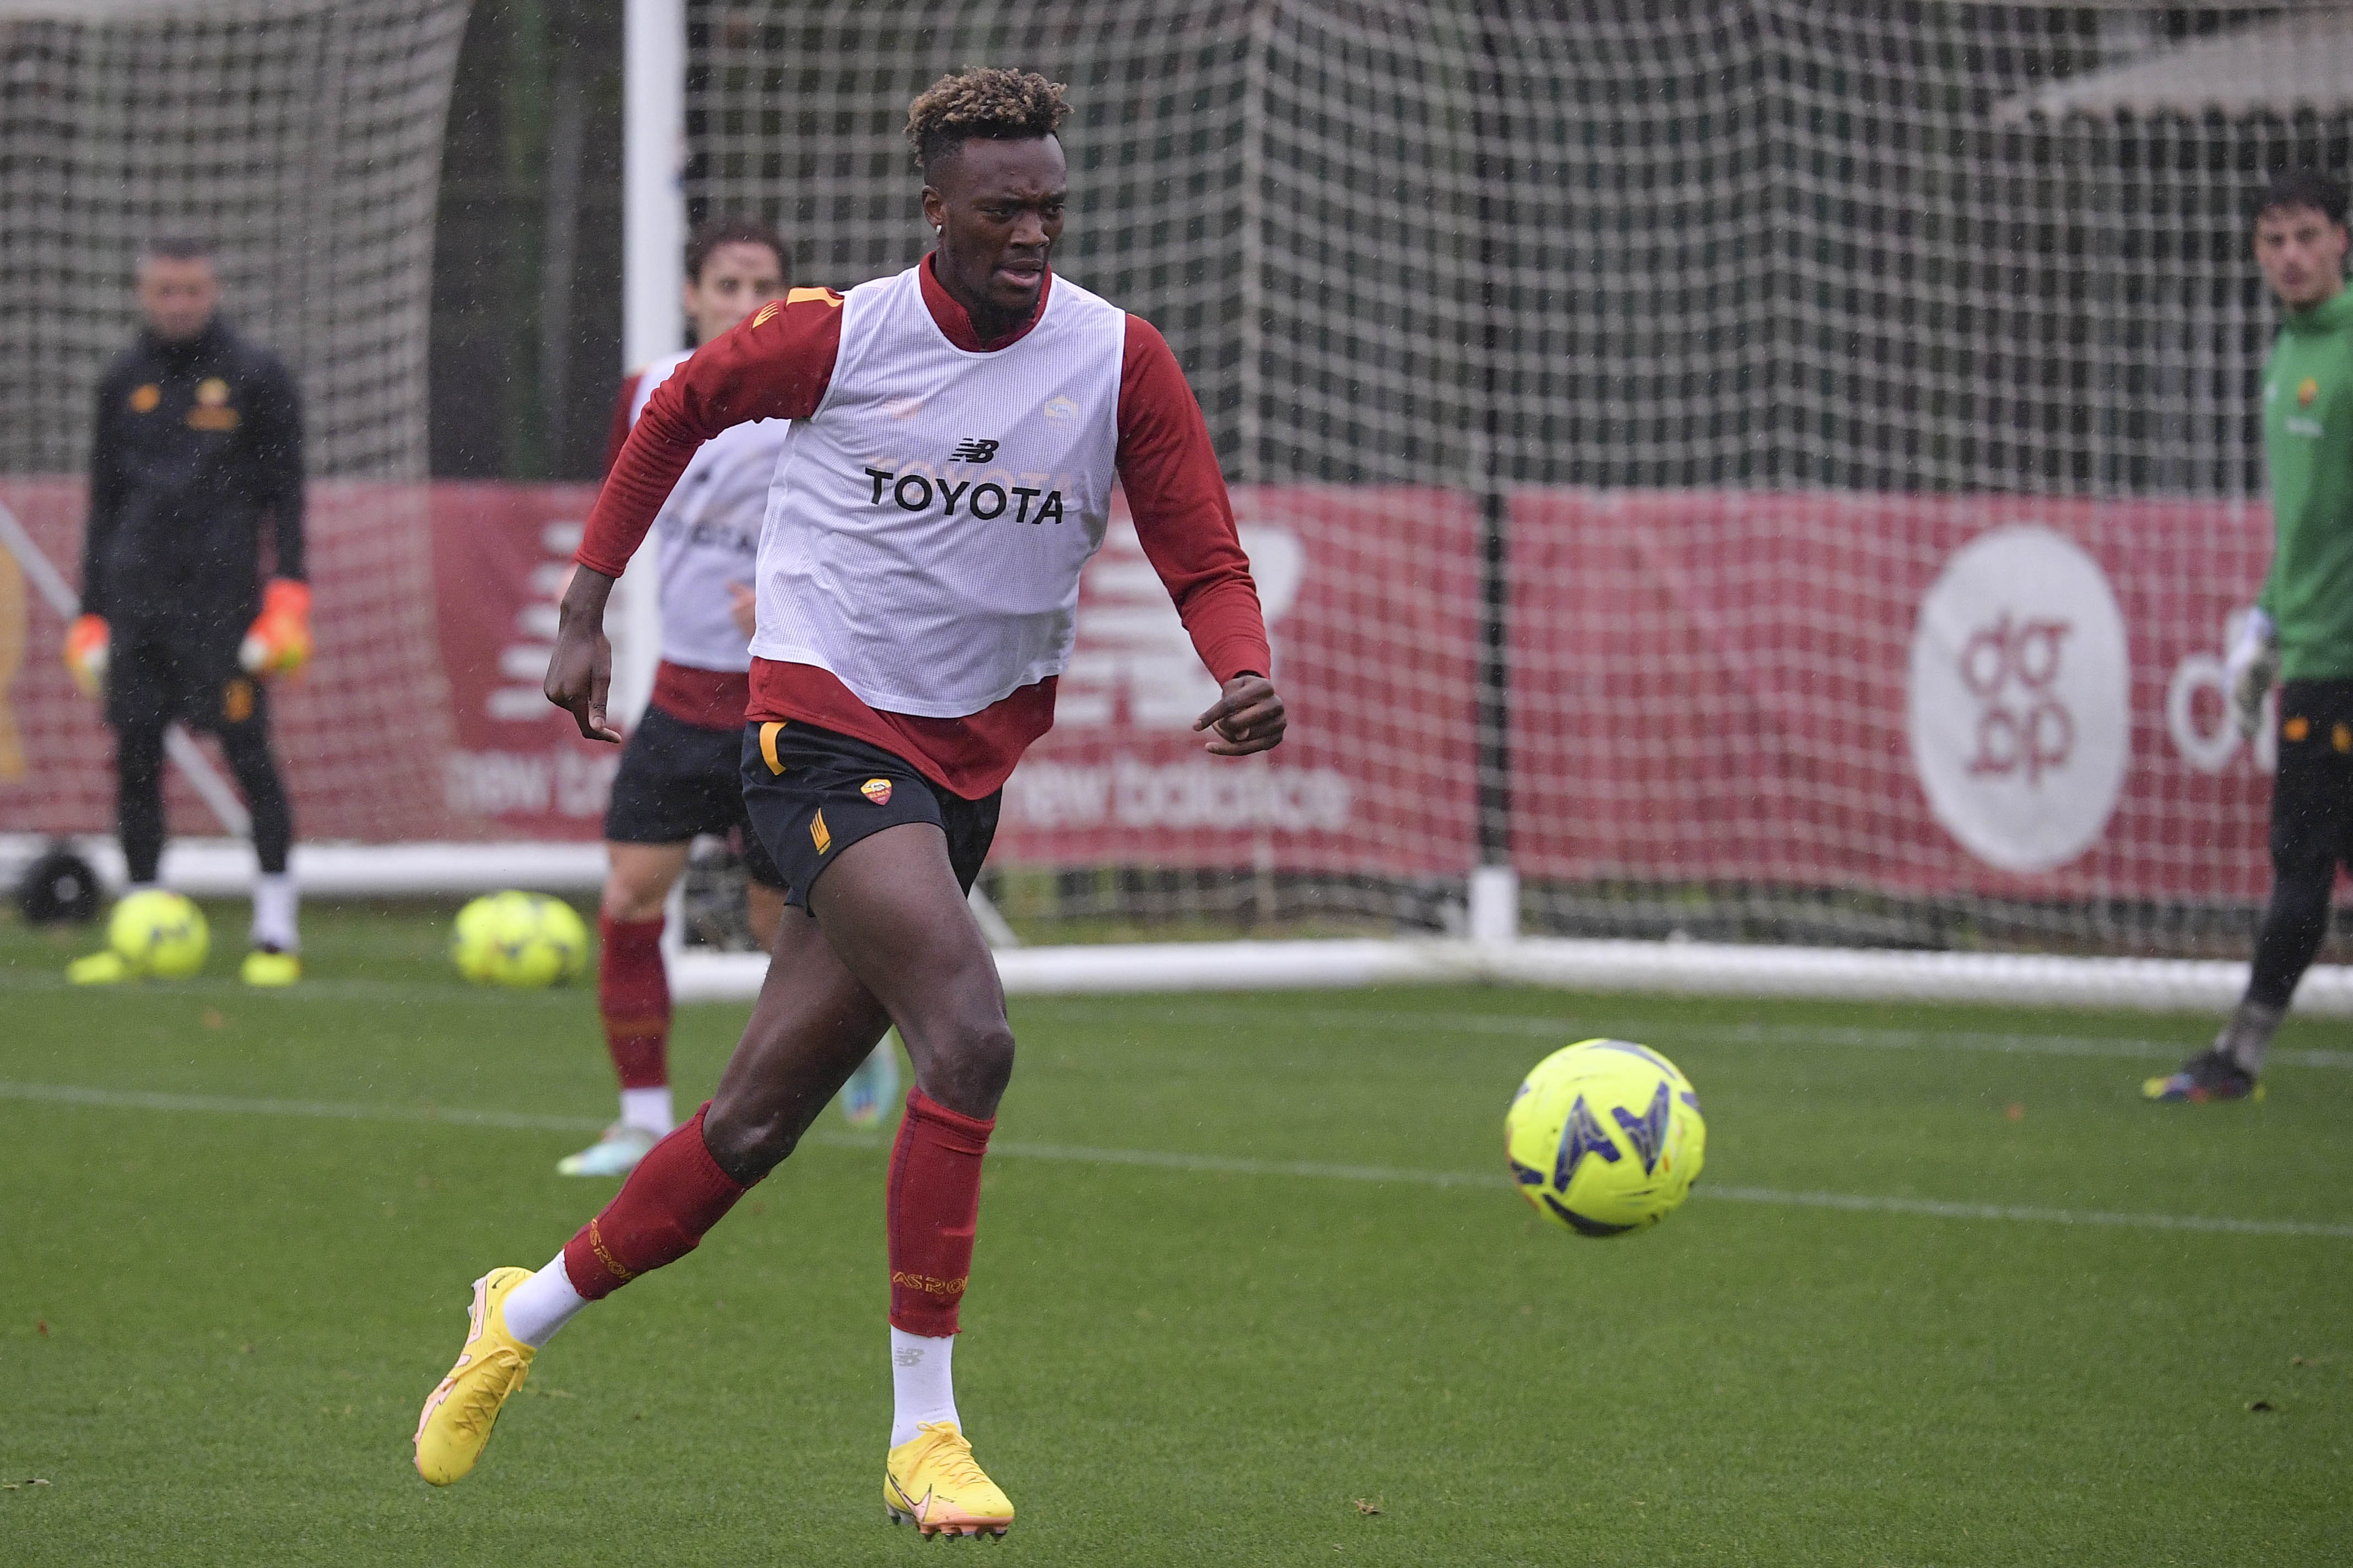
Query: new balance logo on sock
(972, 449)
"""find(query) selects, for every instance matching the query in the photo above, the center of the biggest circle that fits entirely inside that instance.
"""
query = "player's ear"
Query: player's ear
(935, 206)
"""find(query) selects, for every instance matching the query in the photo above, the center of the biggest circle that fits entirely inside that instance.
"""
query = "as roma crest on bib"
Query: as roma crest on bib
(875, 790)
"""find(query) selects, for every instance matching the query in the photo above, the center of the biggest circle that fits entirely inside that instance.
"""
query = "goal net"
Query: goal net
(1753, 468)
(301, 140)
(1758, 468)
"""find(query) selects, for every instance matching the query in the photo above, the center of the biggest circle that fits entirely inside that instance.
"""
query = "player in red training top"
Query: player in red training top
(957, 433)
(678, 774)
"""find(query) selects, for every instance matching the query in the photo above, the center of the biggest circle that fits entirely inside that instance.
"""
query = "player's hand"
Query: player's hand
(743, 605)
(580, 670)
(1247, 718)
(87, 643)
(279, 642)
(2249, 669)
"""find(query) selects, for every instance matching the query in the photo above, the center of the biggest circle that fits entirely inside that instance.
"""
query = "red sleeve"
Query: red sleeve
(776, 364)
(1177, 495)
(620, 431)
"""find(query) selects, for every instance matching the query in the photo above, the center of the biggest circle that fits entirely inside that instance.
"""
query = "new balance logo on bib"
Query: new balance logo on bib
(977, 553)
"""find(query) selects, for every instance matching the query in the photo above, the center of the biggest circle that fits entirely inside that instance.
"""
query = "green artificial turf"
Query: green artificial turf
(217, 1321)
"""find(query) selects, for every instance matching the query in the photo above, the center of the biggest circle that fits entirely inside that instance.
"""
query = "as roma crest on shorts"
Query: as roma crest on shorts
(875, 790)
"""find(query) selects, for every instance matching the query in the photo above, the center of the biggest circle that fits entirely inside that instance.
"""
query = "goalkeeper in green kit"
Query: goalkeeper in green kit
(2301, 631)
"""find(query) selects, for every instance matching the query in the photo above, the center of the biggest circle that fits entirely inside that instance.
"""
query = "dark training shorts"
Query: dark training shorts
(154, 676)
(677, 780)
(812, 794)
(2312, 795)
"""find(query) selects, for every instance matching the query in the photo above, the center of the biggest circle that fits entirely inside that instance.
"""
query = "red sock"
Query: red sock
(670, 1201)
(932, 1209)
(633, 993)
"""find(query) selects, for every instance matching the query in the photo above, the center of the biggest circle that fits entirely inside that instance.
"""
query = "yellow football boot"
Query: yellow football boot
(931, 1482)
(456, 1425)
(263, 967)
(106, 968)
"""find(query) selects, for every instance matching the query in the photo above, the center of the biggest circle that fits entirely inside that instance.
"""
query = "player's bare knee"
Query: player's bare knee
(745, 1141)
(634, 891)
(623, 902)
(968, 1066)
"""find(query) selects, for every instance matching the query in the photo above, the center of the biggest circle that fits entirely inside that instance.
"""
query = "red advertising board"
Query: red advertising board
(430, 605)
(502, 554)
(1372, 600)
(2007, 695)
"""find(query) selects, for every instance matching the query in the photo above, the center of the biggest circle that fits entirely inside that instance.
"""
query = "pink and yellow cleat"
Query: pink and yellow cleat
(932, 1482)
(455, 1426)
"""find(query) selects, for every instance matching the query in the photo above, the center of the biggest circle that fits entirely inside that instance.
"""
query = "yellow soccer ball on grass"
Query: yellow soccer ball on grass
(1605, 1137)
(521, 940)
(159, 934)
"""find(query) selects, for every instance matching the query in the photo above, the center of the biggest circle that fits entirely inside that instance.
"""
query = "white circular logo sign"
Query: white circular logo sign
(2020, 705)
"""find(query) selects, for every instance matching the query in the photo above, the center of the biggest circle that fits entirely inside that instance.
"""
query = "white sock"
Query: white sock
(542, 1304)
(650, 1108)
(274, 900)
(922, 1385)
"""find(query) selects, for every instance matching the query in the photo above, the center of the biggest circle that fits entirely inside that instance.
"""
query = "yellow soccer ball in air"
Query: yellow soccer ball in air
(523, 939)
(159, 934)
(1605, 1137)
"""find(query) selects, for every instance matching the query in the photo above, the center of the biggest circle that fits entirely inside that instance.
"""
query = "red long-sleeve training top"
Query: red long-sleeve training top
(777, 365)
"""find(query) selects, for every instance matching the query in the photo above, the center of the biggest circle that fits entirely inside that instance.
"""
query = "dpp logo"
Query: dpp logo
(2020, 701)
(2011, 667)
(2198, 712)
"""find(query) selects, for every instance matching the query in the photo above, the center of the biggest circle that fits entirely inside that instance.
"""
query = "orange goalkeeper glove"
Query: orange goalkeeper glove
(86, 645)
(279, 642)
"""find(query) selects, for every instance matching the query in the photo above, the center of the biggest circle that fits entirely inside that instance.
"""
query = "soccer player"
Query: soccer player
(199, 440)
(2300, 629)
(957, 430)
(680, 774)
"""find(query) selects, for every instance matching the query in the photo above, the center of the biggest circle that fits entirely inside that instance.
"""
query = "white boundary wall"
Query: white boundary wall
(224, 867)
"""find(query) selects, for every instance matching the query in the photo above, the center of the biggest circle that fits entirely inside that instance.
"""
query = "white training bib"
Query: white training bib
(707, 535)
(927, 524)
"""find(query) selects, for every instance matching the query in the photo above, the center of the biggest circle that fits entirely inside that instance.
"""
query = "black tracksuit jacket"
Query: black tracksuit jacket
(197, 442)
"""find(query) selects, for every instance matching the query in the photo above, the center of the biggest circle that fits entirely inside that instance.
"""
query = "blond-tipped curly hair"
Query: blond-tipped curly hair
(982, 100)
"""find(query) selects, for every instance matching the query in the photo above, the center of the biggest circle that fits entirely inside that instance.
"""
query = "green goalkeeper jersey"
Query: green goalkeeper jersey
(2309, 447)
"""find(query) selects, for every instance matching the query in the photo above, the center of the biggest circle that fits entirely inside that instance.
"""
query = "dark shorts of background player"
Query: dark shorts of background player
(157, 674)
(677, 780)
(812, 794)
(2312, 795)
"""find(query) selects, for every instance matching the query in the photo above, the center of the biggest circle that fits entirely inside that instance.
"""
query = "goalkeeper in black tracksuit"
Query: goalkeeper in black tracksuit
(198, 443)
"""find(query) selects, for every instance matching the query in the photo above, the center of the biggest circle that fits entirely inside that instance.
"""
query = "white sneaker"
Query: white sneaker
(872, 1087)
(614, 1155)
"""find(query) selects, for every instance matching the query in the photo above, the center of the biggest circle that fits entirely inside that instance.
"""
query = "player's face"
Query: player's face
(998, 206)
(2301, 254)
(177, 297)
(737, 278)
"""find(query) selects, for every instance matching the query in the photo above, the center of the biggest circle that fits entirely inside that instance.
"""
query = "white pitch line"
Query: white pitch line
(2030, 1214)
(1225, 1165)
(1670, 1031)
(1664, 1031)
(327, 1109)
